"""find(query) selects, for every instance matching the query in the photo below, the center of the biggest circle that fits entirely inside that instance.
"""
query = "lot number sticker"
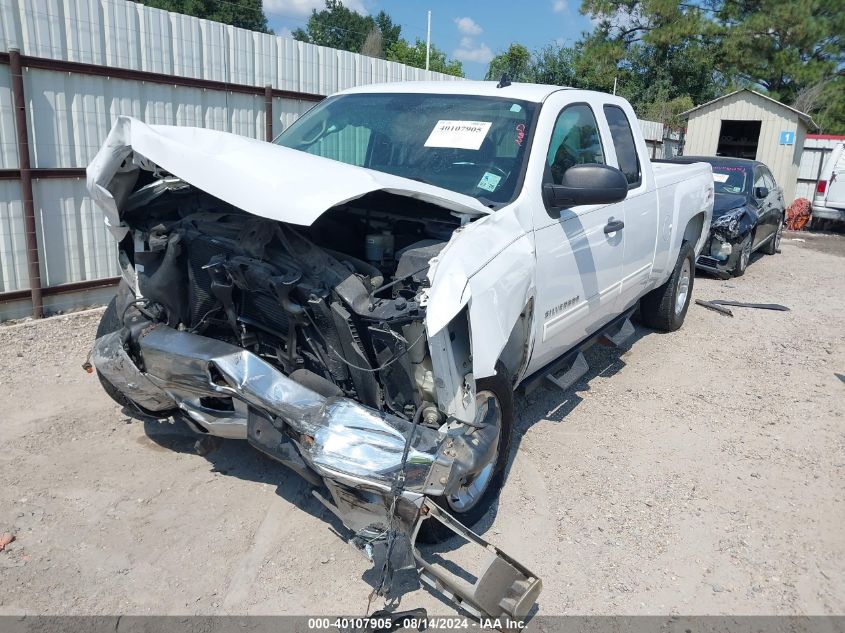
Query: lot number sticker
(458, 134)
(720, 177)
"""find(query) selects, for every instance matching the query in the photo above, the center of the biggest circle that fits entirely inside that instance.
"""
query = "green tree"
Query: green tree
(246, 14)
(516, 62)
(414, 55)
(336, 26)
(390, 32)
(554, 65)
(782, 47)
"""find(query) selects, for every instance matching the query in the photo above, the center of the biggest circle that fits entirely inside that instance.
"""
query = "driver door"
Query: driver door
(579, 262)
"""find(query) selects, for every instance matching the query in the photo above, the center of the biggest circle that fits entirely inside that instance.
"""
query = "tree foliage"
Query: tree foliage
(337, 26)
(516, 62)
(246, 14)
(414, 55)
(781, 47)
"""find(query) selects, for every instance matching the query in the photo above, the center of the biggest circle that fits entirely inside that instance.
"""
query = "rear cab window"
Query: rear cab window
(623, 141)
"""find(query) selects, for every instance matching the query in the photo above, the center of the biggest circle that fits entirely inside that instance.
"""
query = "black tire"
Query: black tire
(772, 247)
(658, 308)
(432, 531)
(741, 264)
(110, 322)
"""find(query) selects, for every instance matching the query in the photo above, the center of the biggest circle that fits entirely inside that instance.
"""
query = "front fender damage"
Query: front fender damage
(488, 270)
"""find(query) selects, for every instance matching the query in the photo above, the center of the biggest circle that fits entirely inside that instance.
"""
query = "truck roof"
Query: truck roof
(524, 92)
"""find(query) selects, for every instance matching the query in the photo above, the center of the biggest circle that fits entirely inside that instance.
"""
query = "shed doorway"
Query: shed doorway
(738, 139)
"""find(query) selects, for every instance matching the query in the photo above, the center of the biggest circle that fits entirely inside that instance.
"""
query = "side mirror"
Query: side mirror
(587, 184)
(761, 192)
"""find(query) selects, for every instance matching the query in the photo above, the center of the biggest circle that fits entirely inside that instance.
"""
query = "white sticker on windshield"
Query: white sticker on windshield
(489, 181)
(720, 177)
(458, 134)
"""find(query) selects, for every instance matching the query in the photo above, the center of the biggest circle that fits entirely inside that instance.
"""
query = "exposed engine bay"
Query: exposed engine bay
(338, 306)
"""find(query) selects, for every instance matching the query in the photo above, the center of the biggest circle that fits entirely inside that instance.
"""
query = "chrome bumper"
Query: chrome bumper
(216, 385)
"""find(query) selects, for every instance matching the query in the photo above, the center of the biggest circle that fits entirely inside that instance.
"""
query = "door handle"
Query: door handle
(613, 225)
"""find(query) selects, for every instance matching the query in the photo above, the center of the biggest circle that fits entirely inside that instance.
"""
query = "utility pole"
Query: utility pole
(614, 85)
(428, 42)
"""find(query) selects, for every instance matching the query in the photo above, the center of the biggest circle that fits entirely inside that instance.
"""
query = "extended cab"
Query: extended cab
(361, 298)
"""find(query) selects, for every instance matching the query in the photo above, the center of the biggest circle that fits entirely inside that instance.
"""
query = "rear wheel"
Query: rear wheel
(494, 401)
(665, 308)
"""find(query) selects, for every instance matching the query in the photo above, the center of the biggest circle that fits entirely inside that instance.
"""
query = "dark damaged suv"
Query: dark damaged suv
(748, 214)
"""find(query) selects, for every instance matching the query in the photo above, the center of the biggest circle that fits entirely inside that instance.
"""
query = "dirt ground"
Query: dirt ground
(699, 472)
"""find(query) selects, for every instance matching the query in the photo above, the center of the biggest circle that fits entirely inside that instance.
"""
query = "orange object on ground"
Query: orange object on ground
(798, 215)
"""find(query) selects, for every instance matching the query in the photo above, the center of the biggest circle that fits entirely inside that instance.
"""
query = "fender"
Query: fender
(489, 267)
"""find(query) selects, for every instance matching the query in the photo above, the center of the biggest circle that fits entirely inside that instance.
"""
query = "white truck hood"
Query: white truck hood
(261, 178)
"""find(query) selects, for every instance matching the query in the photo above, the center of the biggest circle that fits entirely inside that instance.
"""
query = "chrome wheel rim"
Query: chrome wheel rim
(489, 417)
(778, 235)
(682, 291)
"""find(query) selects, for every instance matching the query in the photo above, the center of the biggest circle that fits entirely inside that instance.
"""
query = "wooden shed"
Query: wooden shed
(747, 124)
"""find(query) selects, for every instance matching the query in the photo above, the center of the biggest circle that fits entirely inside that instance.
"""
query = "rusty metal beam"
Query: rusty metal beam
(268, 112)
(22, 133)
(60, 65)
(49, 291)
(38, 173)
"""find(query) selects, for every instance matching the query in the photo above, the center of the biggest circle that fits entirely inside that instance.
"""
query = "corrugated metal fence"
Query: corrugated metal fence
(89, 61)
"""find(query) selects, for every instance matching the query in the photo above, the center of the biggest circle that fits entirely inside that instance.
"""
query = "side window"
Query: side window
(623, 139)
(759, 181)
(771, 185)
(575, 141)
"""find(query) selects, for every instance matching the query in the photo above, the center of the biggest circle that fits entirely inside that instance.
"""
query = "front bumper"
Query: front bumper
(720, 268)
(355, 452)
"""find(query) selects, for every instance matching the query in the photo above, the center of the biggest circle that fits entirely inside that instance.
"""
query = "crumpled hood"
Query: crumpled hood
(261, 178)
(724, 202)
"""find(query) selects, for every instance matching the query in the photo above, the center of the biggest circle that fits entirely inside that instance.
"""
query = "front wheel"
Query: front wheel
(773, 245)
(493, 428)
(744, 257)
(665, 308)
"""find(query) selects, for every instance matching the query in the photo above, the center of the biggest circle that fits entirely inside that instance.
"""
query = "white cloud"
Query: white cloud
(467, 26)
(283, 32)
(560, 6)
(303, 8)
(469, 52)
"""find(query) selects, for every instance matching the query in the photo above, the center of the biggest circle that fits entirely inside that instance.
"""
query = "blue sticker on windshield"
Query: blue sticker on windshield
(489, 181)
(516, 107)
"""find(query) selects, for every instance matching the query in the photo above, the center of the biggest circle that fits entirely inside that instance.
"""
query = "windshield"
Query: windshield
(731, 178)
(468, 144)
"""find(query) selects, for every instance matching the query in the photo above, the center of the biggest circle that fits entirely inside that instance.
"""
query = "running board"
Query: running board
(625, 332)
(565, 378)
(566, 370)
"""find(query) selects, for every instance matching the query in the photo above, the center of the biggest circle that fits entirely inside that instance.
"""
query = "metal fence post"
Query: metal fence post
(268, 112)
(26, 183)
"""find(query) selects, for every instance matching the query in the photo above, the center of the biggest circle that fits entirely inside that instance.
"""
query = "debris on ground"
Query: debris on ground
(798, 215)
(5, 539)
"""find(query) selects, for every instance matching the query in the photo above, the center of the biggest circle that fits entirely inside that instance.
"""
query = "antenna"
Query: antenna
(504, 82)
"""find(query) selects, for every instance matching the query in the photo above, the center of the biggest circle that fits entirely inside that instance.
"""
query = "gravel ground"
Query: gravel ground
(699, 472)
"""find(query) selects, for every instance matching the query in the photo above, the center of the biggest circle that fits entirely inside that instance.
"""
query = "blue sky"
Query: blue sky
(470, 30)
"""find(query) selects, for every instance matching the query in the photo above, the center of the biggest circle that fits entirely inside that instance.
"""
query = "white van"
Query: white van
(829, 201)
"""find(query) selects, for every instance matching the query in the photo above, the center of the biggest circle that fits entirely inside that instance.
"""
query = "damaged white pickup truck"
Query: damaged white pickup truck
(360, 298)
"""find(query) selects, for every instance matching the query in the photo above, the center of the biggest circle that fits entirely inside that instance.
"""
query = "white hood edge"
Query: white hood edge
(261, 178)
